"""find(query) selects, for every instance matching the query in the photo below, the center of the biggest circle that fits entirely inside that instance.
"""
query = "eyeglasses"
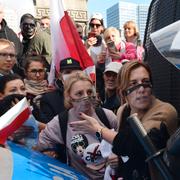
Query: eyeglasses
(93, 25)
(6, 55)
(35, 71)
(29, 25)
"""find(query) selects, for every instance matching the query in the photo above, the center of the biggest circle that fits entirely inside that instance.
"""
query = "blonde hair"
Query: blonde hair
(6, 42)
(73, 78)
(109, 30)
(123, 77)
(134, 26)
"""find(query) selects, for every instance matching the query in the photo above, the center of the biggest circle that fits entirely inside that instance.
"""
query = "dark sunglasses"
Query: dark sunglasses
(29, 25)
(92, 25)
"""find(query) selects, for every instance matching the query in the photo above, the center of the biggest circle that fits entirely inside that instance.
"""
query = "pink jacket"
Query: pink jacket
(127, 50)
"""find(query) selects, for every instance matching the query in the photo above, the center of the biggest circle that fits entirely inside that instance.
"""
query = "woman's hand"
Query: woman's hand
(87, 124)
(41, 126)
(114, 55)
(91, 41)
(101, 58)
(113, 161)
(21, 133)
(50, 88)
(52, 154)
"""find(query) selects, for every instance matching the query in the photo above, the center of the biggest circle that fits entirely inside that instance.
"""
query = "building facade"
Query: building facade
(123, 11)
(142, 18)
(77, 10)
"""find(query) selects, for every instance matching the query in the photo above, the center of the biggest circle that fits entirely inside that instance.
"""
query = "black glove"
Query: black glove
(160, 136)
(6, 102)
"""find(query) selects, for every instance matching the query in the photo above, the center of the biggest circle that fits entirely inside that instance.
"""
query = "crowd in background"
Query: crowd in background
(88, 112)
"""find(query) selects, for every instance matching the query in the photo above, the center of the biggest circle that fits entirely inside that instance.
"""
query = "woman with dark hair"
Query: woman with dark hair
(135, 90)
(94, 42)
(36, 76)
(12, 90)
(36, 82)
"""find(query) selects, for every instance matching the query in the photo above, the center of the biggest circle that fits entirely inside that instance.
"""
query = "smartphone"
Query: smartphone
(111, 46)
(139, 42)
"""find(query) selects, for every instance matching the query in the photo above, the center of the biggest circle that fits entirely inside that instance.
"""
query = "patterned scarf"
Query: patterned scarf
(36, 88)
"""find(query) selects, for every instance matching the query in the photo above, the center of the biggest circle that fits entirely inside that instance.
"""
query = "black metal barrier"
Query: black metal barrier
(166, 78)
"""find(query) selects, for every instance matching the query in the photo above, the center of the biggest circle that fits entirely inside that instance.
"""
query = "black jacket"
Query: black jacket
(8, 33)
(51, 104)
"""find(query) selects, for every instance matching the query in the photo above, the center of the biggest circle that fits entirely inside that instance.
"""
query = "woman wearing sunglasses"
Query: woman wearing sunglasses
(94, 41)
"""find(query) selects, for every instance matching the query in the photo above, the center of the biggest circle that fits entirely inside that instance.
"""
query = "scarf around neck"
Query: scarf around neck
(36, 88)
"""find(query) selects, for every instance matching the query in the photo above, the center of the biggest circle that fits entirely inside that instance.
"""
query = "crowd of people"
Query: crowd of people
(72, 119)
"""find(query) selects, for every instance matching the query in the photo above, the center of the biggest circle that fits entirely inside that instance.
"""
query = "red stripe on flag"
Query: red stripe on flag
(74, 43)
(76, 47)
(66, 41)
(15, 124)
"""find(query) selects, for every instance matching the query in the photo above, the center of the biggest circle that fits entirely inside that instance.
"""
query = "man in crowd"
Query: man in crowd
(109, 97)
(45, 24)
(7, 57)
(52, 103)
(35, 42)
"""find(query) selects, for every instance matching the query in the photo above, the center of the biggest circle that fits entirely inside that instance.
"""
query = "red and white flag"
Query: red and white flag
(13, 119)
(66, 41)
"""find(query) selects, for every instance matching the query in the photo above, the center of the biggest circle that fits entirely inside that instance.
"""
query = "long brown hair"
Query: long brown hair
(124, 76)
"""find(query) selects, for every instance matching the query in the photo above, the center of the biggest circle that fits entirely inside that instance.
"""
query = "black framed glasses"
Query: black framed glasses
(6, 55)
(92, 25)
(35, 71)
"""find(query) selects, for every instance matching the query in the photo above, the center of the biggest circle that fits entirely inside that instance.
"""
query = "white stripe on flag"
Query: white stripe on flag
(7, 118)
(59, 47)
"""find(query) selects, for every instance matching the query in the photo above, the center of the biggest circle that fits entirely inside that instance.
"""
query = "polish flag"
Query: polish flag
(13, 119)
(66, 41)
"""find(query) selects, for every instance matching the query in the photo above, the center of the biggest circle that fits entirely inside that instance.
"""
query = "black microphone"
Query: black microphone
(152, 153)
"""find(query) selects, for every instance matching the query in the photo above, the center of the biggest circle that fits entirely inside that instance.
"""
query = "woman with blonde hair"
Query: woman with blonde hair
(117, 50)
(82, 149)
(131, 34)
